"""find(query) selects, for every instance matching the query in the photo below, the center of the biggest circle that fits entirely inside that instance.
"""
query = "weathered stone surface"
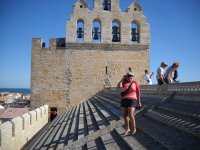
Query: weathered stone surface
(163, 123)
(66, 73)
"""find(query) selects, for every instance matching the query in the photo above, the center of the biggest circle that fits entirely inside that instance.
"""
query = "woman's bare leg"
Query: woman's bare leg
(131, 111)
(126, 119)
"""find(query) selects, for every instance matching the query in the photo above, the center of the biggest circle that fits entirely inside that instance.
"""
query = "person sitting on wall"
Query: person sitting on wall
(170, 72)
(160, 73)
(147, 77)
(129, 101)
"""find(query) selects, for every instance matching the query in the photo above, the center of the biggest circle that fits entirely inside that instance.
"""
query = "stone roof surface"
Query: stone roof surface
(1, 110)
(165, 122)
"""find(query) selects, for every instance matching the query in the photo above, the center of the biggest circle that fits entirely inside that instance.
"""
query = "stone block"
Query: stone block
(6, 134)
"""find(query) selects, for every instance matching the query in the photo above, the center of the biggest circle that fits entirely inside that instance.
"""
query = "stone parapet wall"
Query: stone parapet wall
(16, 133)
(185, 87)
(106, 47)
(184, 91)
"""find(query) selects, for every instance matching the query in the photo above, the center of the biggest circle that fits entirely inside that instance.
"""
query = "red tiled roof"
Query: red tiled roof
(5, 98)
(13, 112)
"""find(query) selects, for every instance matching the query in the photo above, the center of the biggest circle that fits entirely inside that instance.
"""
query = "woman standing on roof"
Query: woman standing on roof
(130, 100)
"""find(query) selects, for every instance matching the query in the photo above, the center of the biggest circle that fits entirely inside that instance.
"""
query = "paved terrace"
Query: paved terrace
(170, 120)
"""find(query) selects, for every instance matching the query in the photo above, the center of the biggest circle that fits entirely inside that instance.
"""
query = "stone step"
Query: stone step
(89, 125)
(170, 138)
(99, 144)
(112, 92)
(81, 123)
(103, 141)
(186, 102)
(106, 117)
(145, 100)
(183, 123)
(74, 125)
(113, 111)
(91, 145)
(66, 131)
(117, 104)
(114, 141)
(181, 110)
(140, 140)
(150, 100)
(113, 102)
(97, 120)
(45, 137)
(55, 136)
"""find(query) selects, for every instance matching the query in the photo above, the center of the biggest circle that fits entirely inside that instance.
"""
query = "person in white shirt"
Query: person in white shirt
(147, 77)
(160, 73)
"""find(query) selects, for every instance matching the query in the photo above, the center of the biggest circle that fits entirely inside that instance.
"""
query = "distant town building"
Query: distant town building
(6, 100)
(26, 97)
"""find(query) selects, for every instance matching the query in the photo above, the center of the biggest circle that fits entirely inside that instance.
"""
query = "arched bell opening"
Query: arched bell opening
(107, 5)
(80, 31)
(135, 33)
(96, 31)
(116, 31)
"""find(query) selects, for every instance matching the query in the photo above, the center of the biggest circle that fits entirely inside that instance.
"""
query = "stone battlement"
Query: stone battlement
(16, 133)
(59, 43)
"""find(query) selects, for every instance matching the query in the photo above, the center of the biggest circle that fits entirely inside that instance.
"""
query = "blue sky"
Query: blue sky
(174, 24)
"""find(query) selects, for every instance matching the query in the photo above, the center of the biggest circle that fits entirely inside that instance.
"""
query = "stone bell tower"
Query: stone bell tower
(100, 45)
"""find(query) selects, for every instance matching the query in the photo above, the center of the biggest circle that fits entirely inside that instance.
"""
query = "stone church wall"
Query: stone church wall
(64, 76)
(70, 71)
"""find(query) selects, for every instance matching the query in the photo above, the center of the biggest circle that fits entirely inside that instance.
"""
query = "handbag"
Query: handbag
(126, 91)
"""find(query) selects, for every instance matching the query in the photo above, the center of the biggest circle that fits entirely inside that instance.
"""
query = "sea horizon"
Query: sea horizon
(16, 90)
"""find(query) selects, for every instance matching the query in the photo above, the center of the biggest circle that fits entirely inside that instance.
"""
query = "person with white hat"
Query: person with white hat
(129, 101)
(160, 73)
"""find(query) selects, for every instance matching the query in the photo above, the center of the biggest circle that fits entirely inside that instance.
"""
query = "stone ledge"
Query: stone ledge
(105, 46)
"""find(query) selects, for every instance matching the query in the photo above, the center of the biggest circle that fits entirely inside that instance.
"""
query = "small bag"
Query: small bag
(123, 93)
(126, 91)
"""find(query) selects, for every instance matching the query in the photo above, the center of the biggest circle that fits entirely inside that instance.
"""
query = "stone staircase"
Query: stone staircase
(165, 122)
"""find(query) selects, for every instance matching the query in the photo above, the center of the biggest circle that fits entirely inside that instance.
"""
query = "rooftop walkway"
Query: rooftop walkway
(170, 119)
